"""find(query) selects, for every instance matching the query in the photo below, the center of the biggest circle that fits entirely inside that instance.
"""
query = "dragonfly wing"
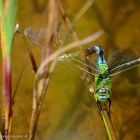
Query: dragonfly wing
(38, 36)
(125, 67)
(80, 63)
(94, 68)
(124, 59)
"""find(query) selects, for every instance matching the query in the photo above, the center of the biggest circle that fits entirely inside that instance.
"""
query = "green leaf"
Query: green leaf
(8, 22)
(1, 7)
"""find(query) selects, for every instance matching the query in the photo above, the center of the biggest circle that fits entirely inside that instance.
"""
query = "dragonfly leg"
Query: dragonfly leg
(99, 106)
(104, 106)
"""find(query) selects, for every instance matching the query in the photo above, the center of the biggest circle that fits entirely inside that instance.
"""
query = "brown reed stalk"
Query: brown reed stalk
(31, 55)
(47, 65)
(83, 10)
(108, 125)
(70, 46)
(42, 80)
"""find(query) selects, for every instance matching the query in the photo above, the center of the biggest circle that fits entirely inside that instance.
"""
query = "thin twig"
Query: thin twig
(82, 11)
(31, 55)
(70, 25)
(37, 103)
(70, 46)
(108, 126)
(1, 136)
(14, 93)
(18, 80)
(41, 84)
(33, 61)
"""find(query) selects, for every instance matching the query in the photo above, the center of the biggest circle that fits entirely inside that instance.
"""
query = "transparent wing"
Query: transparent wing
(80, 62)
(123, 60)
(38, 36)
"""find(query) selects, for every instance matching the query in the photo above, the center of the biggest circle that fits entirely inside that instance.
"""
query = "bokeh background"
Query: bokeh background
(69, 112)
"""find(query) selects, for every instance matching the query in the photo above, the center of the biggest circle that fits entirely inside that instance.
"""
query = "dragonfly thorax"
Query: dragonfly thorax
(103, 70)
(103, 87)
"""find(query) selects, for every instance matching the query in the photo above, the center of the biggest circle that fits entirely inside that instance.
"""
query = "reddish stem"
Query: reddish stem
(6, 70)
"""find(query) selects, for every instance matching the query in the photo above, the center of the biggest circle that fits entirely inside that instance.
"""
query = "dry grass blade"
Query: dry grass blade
(33, 61)
(108, 126)
(86, 6)
(18, 80)
(41, 84)
(17, 85)
(70, 25)
(31, 55)
(1, 136)
(68, 47)
(53, 19)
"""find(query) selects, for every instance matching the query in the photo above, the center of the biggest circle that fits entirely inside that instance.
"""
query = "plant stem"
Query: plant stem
(82, 11)
(108, 126)
(8, 10)
(6, 68)
(71, 46)
(42, 81)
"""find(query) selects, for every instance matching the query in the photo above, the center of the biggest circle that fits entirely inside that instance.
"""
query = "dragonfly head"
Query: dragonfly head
(103, 94)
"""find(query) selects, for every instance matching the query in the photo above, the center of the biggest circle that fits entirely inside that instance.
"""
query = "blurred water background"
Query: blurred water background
(69, 112)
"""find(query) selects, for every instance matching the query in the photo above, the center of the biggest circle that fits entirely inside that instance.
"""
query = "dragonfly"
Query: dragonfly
(120, 61)
(101, 70)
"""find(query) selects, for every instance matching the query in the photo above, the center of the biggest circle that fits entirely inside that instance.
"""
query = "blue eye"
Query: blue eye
(102, 97)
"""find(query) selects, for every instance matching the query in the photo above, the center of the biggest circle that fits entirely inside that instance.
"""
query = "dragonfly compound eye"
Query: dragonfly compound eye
(102, 90)
(102, 97)
(102, 94)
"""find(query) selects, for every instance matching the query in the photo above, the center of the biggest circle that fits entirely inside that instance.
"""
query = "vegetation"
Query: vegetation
(43, 98)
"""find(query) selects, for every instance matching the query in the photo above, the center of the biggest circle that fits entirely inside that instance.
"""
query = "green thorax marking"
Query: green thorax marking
(103, 80)
(103, 83)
